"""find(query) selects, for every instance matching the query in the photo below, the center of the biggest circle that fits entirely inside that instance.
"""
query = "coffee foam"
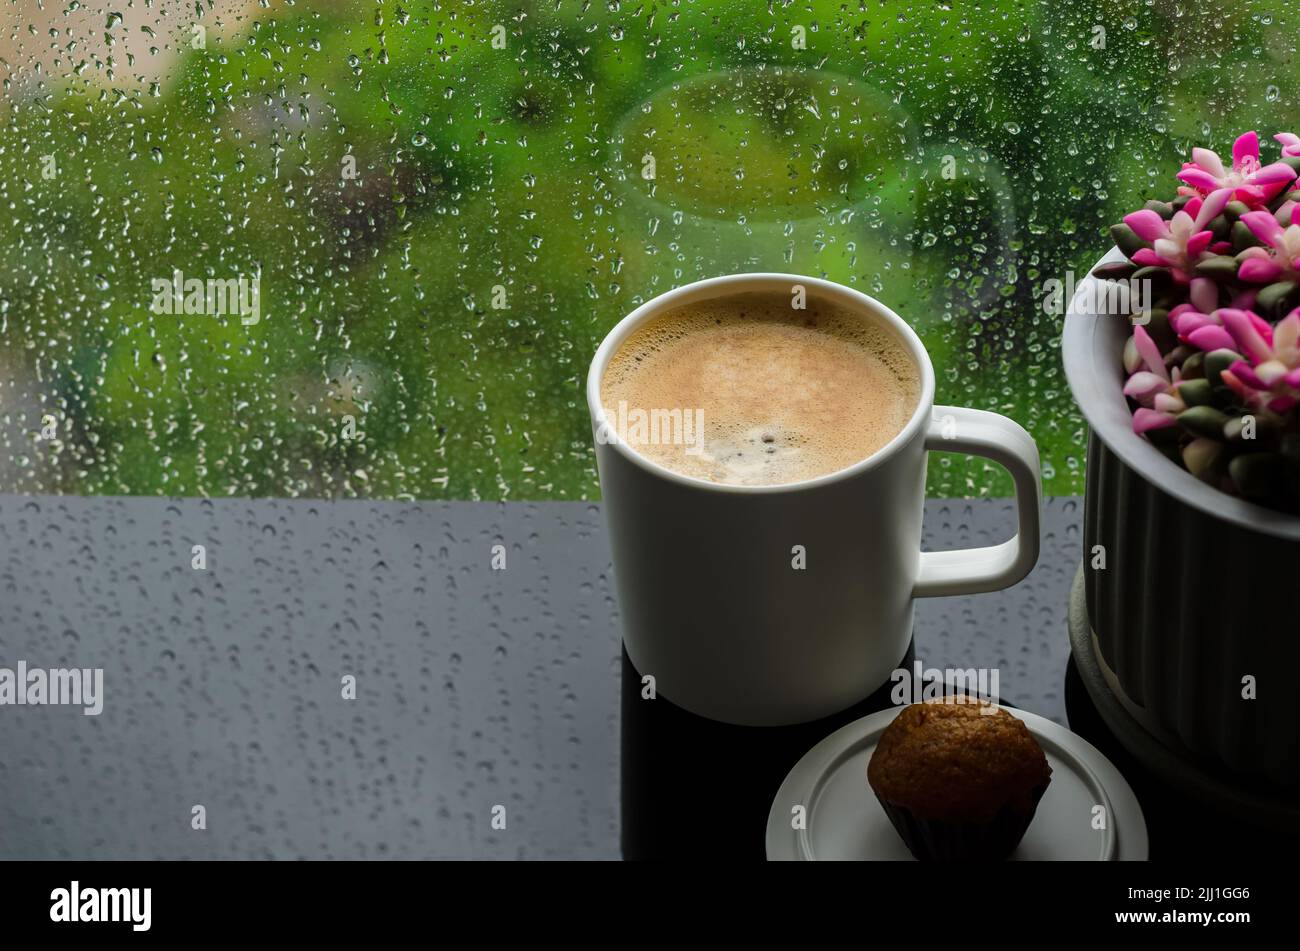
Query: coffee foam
(785, 395)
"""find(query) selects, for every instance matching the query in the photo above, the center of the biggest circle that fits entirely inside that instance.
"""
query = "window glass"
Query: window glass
(410, 223)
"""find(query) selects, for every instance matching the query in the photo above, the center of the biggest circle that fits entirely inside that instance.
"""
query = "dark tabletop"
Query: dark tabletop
(474, 687)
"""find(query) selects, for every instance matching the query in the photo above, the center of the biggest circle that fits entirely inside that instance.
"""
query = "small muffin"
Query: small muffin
(959, 783)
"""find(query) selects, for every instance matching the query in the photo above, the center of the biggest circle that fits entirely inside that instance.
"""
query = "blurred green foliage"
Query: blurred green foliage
(948, 158)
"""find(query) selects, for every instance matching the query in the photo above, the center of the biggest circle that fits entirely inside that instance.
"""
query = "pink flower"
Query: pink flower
(1153, 387)
(1290, 144)
(1201, 330)
(1269, 377)
(1279, 259)
(1251, 182)
(1182, 240)
(1201, 310)
(1202, 295)
(1210, 331)
(1290, 149)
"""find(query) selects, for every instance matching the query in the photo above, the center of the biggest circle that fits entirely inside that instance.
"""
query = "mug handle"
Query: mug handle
(971, 570)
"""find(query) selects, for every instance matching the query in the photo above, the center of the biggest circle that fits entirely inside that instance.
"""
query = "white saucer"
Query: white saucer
(844, 820)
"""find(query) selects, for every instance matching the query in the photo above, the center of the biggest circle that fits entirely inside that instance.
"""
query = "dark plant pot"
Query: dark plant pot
(1197, 596)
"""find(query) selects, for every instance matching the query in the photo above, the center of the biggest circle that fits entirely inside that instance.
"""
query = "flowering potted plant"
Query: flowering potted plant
(1192, 512)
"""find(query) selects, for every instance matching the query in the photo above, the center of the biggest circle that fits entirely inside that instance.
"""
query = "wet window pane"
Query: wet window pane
(359, 249)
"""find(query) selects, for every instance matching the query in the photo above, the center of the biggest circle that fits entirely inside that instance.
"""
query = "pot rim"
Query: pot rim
(1091, 350)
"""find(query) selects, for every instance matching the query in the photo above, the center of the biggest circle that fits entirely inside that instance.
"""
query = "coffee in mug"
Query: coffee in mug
(750, 389)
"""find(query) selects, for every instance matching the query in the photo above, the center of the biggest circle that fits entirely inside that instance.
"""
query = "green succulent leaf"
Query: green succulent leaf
(1203, 421)
(1218, 267)
(1216, 361)
(1196, 392)
(1257, 475)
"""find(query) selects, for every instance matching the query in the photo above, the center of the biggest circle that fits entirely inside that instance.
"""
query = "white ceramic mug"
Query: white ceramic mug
(713, 605)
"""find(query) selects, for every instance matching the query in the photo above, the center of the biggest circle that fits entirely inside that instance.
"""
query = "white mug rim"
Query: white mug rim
(763, 280)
